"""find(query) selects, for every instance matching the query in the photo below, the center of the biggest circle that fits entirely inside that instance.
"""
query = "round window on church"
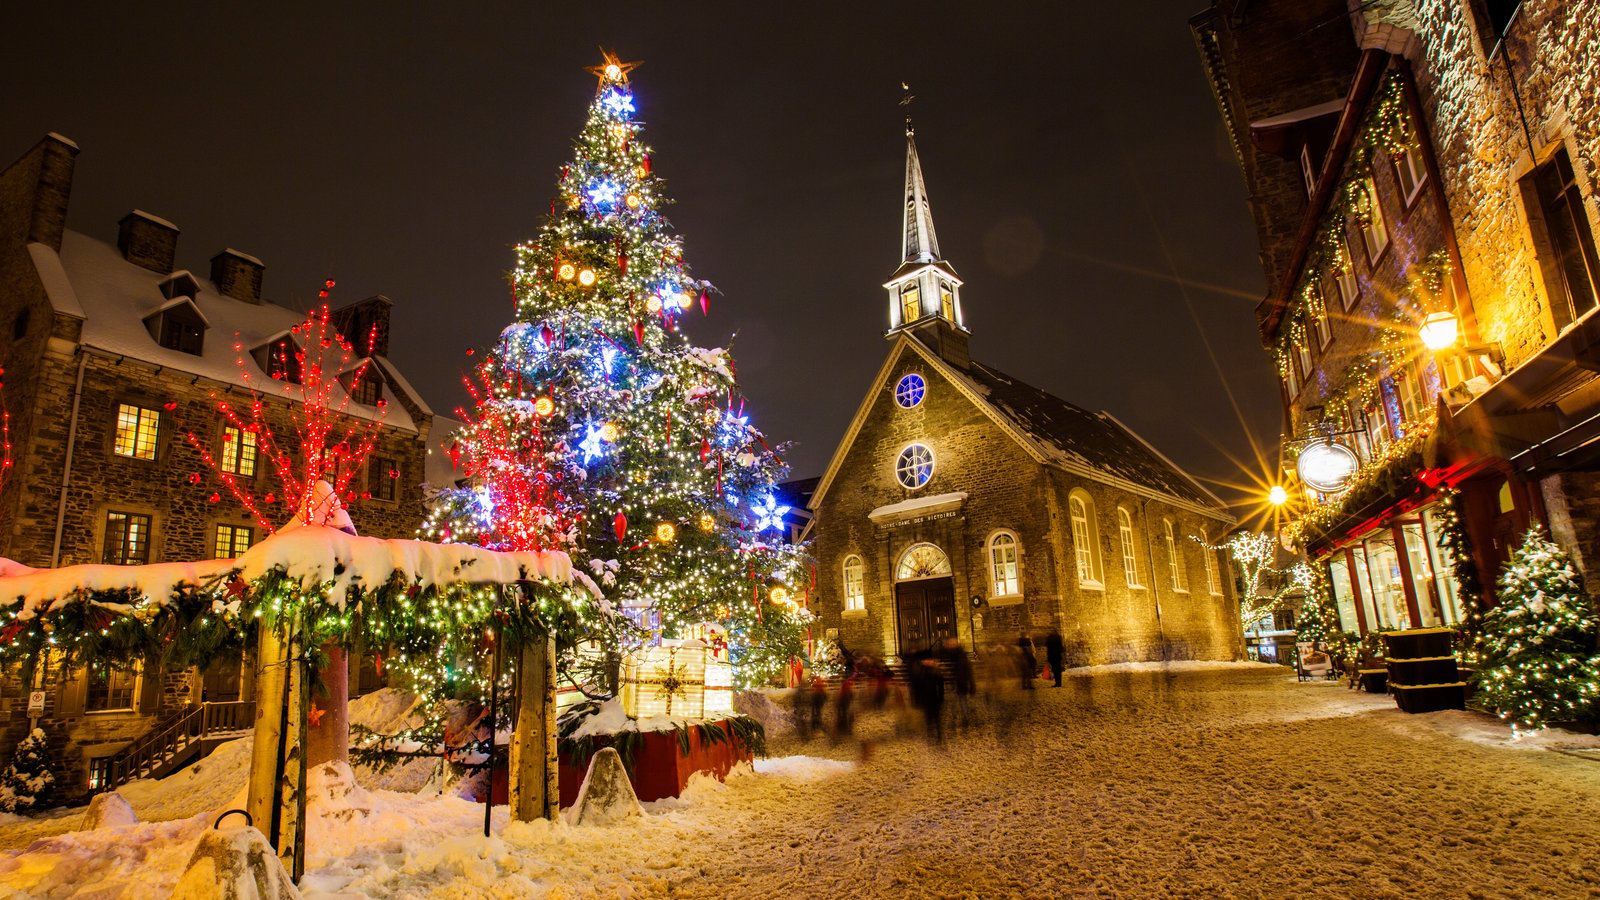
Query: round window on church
(915, 466)
(910, 390)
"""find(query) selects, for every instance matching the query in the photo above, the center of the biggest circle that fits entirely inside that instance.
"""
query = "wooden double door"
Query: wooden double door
(925, 612)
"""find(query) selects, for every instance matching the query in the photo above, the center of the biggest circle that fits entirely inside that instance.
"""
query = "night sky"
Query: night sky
(1079, 174)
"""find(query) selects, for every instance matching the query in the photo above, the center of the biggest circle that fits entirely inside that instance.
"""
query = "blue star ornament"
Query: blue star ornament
(592, 445)
(768, 514)
(604, 194)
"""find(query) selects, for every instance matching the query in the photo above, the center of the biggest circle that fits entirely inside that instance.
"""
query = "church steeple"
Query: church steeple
(924, 292)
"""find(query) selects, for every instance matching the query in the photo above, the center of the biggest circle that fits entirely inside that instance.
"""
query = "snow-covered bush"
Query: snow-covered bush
(26, 782)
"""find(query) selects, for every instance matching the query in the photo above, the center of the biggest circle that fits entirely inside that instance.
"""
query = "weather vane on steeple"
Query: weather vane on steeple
(612, 70)
(905, 101)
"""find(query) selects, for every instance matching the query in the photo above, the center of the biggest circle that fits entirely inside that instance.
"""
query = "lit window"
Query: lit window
(137, 430)
(1572, 273)
(109, 688)
(383, 478)
(367, 389)
(855, 594)
(1349, 290)
(915, 466)
(910, 391)
(127, 539)
(1086, 553)
(1209, 554)
(1004, 576)
(922, 561)
(1373, 231)
(1130, 553)
(910, 304)
(1180, 578)
(1319, 320)
(238, 451)
(232, 541)
(1410, 172)
(947, 302)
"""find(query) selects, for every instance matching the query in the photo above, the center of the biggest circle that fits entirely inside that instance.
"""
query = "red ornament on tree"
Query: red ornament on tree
(705, 302)
(620, 525)
(638, 332)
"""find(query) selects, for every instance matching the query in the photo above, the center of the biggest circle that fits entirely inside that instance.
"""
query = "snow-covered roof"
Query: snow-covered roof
(90, 280)
(926, 506)
(152, 217)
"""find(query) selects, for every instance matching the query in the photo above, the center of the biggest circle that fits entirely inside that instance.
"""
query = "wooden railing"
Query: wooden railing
(175, 734)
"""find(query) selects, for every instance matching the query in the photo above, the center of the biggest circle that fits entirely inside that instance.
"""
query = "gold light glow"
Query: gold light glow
(544, 406)
(665, 532)
(586, 277)
(1439, 331)
(608, 432)
(567, 271)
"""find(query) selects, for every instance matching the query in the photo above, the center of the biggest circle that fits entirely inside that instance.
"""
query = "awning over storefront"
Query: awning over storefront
(1543, 416)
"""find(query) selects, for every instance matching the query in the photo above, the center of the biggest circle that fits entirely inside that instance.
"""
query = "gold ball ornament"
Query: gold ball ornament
(544, 406)
(653, 304)
(665, 532)
(712, 417)
(780, 595)
(685, 301)
(609, 432)
(586, 277)
(632, 200)
(707, 522)
(567, 271)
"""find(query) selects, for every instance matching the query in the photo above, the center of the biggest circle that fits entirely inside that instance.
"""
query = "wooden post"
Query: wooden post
(266, 753)
(535, 788)
(330, 736)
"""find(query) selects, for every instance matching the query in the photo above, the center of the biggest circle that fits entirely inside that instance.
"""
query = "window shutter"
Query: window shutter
(72, 688)
(149, 689)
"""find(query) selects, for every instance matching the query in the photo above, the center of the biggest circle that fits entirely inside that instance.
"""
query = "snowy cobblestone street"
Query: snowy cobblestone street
(1195, 782)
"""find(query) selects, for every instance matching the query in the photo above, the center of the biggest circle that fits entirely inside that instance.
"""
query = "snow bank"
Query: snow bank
(314, 553)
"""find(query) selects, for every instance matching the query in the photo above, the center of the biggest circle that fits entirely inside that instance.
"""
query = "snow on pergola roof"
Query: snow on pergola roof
(310, 554)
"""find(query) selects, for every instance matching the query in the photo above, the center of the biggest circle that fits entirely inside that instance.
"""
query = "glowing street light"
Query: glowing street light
(1277, 496)
(1439, 331)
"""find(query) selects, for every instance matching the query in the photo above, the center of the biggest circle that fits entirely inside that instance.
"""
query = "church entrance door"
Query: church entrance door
(926, 611)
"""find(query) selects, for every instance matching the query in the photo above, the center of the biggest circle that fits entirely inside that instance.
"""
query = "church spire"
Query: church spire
(924, 292)
(920, 243)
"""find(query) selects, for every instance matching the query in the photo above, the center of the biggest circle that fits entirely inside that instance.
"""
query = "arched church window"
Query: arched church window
(947, 301)
(922, 561)
(915, 466)
(910, 303)
(1130, 551)
(855, 594)
(1085, 547)
(1005, 574)
(910, 391)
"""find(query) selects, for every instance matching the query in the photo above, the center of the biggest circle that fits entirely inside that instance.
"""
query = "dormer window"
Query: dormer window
(280, 359)
(947, 301)
(178, 325)
(365, 386)
(910, 303)
(179, 284)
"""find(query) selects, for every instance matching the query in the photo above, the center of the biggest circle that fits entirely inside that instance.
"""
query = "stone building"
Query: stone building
(1421, 174)
(114, 357)
(963, 503)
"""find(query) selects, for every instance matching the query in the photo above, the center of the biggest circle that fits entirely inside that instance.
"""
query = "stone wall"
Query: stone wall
(1007, 490)
(1484, 151)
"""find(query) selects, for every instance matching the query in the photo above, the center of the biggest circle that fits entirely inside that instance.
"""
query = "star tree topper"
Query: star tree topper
(612, 70)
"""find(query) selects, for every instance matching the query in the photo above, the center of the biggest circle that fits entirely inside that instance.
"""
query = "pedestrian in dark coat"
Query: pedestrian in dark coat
(1054, 653)
(966, 681)
(1027, 664)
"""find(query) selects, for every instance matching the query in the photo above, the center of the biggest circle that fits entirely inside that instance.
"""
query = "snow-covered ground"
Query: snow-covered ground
(1130, 781)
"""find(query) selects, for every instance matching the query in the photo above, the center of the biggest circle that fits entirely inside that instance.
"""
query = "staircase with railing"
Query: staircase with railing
(178, 740)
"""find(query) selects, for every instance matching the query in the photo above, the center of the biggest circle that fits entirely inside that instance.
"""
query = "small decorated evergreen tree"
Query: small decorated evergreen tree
(26, 782)
(1318, 621)
(1539, 663)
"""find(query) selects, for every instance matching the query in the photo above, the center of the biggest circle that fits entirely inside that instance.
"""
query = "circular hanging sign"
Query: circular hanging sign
(1327, 466)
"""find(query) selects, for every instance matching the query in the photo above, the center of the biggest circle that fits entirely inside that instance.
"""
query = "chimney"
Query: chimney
(238, 275)
(148, 241)
(42, 181)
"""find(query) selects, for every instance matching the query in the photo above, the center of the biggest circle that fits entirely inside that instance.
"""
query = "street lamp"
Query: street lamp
(1277, 496)
(1439, 331)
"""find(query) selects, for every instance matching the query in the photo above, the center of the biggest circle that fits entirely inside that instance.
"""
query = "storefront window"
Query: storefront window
(1344, 597)
(1444, 576)
(1363, 585)
(1388, 588)
(1422, 576)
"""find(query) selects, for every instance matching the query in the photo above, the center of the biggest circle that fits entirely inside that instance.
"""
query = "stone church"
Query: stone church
(964, 503)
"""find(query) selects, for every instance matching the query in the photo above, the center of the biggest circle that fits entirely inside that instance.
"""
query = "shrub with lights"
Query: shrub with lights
(1539, 664)
(600, 429)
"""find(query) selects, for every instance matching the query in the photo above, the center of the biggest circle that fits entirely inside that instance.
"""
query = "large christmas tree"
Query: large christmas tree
(601, 430)
(1538, 659)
